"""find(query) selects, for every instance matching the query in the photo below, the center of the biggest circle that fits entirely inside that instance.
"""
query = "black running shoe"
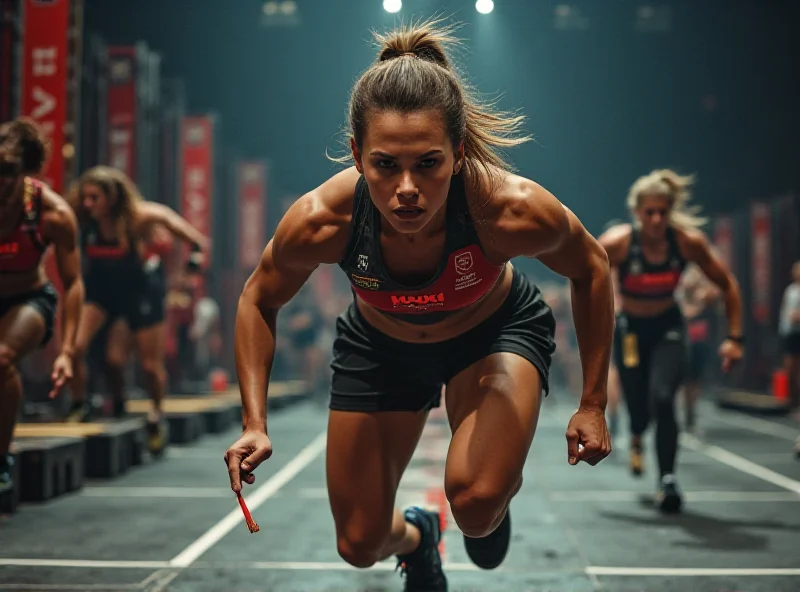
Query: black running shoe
(669, 498)
(488, 552)
(6, 462)
(423, 567)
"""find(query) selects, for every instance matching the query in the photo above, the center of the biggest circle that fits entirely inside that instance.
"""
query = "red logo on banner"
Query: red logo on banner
(198, 172)
(761, 261)
(122, 109)
(44, 77)
(251, 177)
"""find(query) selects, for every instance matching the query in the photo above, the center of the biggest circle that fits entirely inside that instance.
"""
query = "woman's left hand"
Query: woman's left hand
(62, 373)
(587, 436)
(731, 352)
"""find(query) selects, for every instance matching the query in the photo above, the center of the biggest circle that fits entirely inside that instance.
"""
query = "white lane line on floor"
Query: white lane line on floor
(235, 519)
(741, 464)
(342, 566)
(754, 424)
(193, 454)
(785, 457)
(83, 563)
(70, 587)
(693, 496)
(690, 571)
(176, 492)
(164, 581)
(258, 565)
(154, 577)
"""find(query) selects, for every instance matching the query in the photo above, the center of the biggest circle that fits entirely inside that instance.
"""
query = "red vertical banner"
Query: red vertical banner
(723, 239)
(761, 260)
(197, 182)
(44, 74)
(44, 71)
(251, 182)
(121, 108)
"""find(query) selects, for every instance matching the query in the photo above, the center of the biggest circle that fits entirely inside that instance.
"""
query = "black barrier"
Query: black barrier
(764, 247)
(93, 147)
(9, 58)
(148, 100)
(173, 108)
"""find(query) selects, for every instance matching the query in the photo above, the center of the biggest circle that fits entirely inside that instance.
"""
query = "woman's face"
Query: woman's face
(796, 272)
(653, 215)
(11, 184)
(95, 201)
(408, 162)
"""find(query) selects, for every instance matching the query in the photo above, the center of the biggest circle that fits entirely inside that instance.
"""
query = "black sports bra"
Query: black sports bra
(641, 279)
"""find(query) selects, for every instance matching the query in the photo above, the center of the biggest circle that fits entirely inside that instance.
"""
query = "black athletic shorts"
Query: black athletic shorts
(141, 305)
(374, 372)
(44, 300)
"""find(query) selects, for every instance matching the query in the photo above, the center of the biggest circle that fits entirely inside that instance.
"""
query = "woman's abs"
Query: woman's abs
(14, 284)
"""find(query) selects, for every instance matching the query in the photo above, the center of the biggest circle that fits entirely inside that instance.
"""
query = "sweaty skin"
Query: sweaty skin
(521, 219)
(59, 228)
(408, 163)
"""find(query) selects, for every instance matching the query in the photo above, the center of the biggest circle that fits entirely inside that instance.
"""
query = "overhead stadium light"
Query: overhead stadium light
(392, 5)
(288, 7)
(280, 13)
(484, 6)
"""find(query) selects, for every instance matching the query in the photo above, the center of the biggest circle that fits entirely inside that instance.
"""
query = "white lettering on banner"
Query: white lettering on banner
(251, 174)
(45, 61)
(196, 189)
(45, 103)
(120, 140)
(251, 230)
(195, 135)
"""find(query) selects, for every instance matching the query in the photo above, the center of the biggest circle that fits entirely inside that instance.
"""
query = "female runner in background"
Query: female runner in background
(650, 343)
(32, 217)
(116, 223)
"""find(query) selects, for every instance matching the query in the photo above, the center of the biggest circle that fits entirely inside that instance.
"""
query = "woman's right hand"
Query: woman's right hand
(249, 451)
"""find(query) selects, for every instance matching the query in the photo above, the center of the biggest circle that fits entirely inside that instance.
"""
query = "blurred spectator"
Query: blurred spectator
(696, 297)
(789, 330)
(180, 312)
(206, 336)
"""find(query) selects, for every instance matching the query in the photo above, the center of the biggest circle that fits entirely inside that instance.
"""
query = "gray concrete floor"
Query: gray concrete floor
(174, 525)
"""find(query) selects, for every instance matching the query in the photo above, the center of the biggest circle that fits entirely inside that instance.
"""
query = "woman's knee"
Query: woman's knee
(79, 353)
(477, 504)
(8, 364)
(663, 398)
(153, 368)
(361, 545)
(115, 363)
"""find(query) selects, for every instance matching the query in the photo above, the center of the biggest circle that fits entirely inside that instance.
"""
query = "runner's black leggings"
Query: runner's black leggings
(650, 354)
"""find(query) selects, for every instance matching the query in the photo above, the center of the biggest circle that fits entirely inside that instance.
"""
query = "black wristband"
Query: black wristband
(737, 339)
